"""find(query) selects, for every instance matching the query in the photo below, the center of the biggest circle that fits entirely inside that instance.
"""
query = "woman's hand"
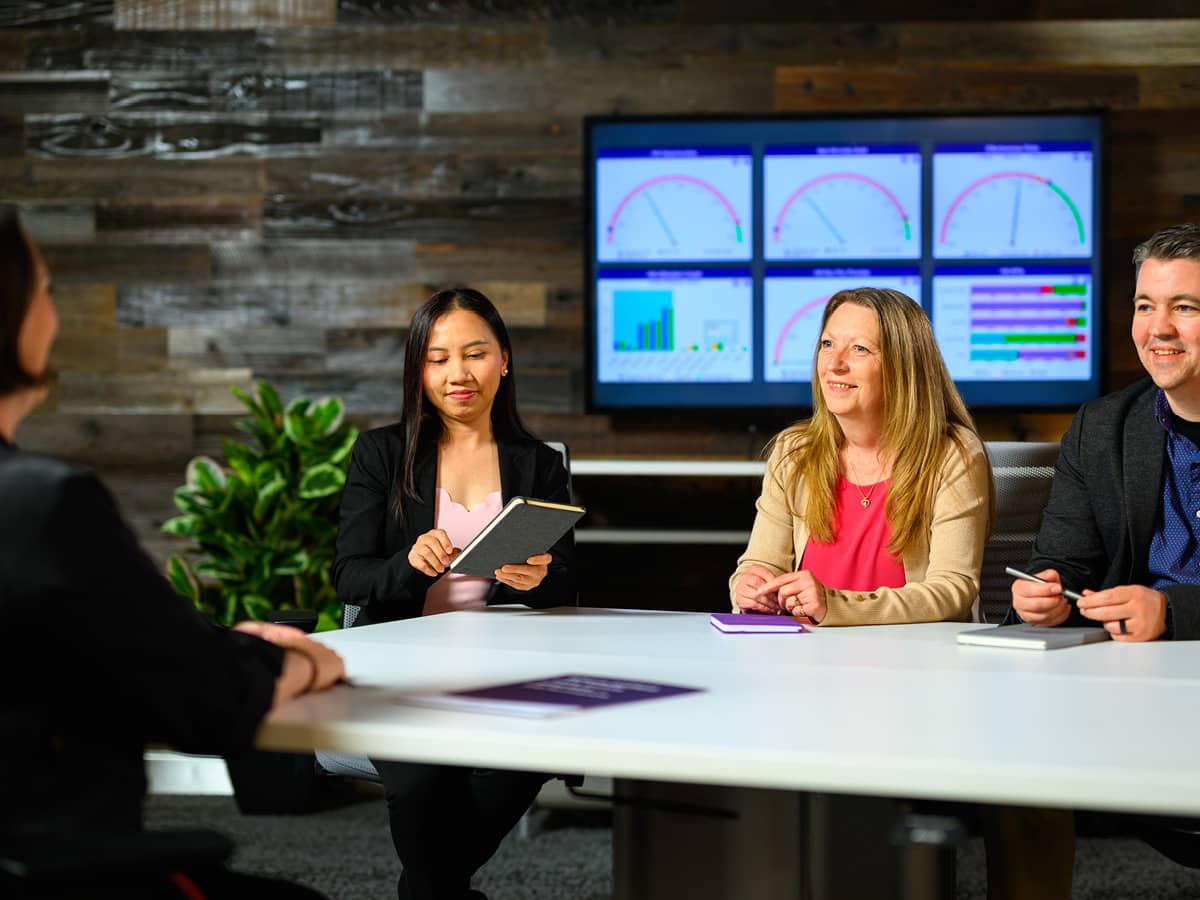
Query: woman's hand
(746, 594)
(798, 593)
(525, 577)
(431, 553)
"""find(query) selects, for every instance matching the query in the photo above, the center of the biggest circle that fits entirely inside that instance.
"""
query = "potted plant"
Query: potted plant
(262, 527)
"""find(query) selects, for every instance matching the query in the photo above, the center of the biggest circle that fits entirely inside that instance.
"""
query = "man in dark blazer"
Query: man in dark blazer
(1123, 522)
(1122, 527)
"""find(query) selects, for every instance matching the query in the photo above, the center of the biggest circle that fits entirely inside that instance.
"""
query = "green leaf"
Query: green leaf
(341, 452)
(321, 481)
(181, 526)
(229, 611)
(205, 476)
(257, 606)
(180, 574)
(188, 504)
(269, 398)
(267, 493)
(325, 414)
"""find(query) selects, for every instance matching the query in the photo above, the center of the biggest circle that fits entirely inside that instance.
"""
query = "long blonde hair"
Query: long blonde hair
(922, 417)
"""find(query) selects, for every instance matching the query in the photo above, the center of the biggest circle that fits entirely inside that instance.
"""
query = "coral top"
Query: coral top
(453, 591)
(858, 559)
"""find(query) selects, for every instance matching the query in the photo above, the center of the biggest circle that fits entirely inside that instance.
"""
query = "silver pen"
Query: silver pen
(1017, 573)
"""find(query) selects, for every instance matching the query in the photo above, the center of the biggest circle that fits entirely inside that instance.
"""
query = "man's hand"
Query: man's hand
(1041, 604)
(1143, 611)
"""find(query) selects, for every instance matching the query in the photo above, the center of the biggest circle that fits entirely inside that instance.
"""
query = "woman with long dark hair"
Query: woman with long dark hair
(416, 493)
(110, 657)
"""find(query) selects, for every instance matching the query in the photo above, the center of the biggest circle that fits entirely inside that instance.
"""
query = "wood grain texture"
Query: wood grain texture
(195, 390)
(1058, 44)
(252, 348)
(324, 304)
(111, 439)
(222, 14)
(54, 13)
(43, 179)
(410, 46)
(379, 91)
(104, 48)
(174, 136)
(128, 264)
(450, 133)
(213, 217)
(59, 223)
(1008, 88)
(302, 261)
(35, 92)
(600, 89)
(451, 219)
(115, 350)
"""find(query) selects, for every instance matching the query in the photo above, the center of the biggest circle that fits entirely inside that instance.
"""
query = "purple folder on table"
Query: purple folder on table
(754, 623)
(541, 697)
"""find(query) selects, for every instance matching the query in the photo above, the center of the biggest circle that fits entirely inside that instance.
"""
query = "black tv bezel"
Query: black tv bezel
(774, 412)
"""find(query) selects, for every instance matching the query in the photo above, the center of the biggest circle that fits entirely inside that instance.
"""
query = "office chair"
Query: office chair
(1022, 473)
(360, 767)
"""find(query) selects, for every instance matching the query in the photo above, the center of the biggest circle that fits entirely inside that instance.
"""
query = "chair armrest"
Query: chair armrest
(304, 619)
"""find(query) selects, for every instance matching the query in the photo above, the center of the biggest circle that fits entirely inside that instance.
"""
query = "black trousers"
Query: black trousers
(447, 821)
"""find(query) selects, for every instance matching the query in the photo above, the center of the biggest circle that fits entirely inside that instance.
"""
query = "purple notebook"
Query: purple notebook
(551, 696)
(754, 623)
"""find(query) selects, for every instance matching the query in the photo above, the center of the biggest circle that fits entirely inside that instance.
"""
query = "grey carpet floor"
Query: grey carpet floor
(346, 854)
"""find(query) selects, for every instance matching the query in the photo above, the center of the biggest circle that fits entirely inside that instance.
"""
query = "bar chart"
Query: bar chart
(674, 325)
(1015, 323)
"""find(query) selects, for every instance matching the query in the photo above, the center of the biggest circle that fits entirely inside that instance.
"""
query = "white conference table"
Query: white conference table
(895, 711)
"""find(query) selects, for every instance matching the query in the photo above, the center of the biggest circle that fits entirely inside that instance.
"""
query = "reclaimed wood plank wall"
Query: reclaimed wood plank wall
(228, 190)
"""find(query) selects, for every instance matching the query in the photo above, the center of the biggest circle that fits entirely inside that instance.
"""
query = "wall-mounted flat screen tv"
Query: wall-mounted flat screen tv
(713, 245)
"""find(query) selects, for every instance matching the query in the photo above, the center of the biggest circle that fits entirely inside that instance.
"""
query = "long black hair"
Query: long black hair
(421, 422)
(16, 294)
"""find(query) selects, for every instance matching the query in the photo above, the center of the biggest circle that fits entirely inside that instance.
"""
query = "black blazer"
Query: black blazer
(102, 656)
(372, 570)
(1106, 502)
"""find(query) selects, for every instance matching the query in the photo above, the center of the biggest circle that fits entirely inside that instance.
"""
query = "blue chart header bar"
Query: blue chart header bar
(671, 274)
(669, 152)
(1014, 270)
(843, 272)
(842, 150)
(1018, 147)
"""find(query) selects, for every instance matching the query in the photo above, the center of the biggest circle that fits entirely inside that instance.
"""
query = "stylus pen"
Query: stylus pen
(1017, 573)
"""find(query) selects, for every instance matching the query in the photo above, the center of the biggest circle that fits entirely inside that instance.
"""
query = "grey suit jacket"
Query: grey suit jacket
(1106, 503)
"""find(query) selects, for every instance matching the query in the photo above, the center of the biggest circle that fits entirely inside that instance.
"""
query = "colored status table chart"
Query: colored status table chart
(1015, 323)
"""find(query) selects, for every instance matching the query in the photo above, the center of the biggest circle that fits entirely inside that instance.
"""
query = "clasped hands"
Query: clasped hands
(1142, 610)
(799, 594)
(432, 552)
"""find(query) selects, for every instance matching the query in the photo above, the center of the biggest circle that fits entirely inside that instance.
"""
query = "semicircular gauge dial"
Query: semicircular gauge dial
(842, 215)
(674, 217)
(1012, 214)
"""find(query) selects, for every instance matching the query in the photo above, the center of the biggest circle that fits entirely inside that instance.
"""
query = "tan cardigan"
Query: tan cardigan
(941, 575)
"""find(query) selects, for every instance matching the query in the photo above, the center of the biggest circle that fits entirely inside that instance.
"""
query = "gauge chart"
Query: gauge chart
(674, 205)
(844, 202)
(673, 326)
(1014, 323)
(794, 301)
(1015, 201)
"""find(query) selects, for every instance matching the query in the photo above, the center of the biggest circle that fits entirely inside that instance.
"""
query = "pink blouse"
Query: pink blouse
(858, 559)
(452, 591)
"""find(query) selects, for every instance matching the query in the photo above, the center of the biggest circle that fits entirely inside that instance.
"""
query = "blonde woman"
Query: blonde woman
(875, 510)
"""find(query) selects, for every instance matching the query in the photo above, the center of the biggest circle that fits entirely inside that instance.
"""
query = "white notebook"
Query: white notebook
(1032, 637)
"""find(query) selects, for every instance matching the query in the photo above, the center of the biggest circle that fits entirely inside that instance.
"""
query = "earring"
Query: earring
(503, 372)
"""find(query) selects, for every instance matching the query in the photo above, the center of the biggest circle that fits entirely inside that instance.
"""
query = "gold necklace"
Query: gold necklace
(866, 498)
